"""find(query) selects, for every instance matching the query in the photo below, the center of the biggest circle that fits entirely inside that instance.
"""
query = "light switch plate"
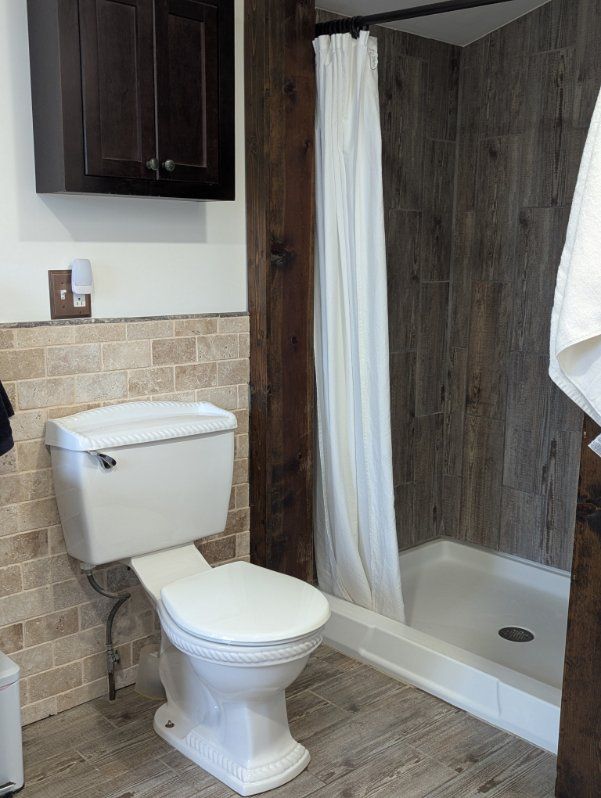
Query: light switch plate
(63, 303)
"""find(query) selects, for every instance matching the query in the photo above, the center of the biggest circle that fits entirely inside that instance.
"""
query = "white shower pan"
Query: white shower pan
(457, 599)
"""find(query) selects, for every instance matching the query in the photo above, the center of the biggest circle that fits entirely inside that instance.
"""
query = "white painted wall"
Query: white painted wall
(150, 256)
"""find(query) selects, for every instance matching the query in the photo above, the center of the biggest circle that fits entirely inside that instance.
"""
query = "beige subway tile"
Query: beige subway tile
(8, 462)
(64, 567)
(101, 387)
(240, 474)
(204, 326)
(79, 645)
(9, 521)
(244, 344)
(36, 573)
(241, 493)
(10, 580)
(143, 382)
(101, 331)
(219, 549)
(225, 396)
(242, 419)
(232, 372)
(238, 520)
(34, 660)
(234, 324)
(24, 364)
(28, 546)
(26, 486)
(11, 392)
(50, 627)
(71, 593)
(160, 328)
(83, 358)
(45, 393)
(170, 351)
(45, 335)
(7, 338)
(11, 638)
(241, 447)
(201, 375)
(217, 347)
(21, 606)
(37, 514)
(56, 539)
(94, 612)
(52, 682)
(242, 544)
(80, 695)
(32, 713)
(32, 455)
(126, 355)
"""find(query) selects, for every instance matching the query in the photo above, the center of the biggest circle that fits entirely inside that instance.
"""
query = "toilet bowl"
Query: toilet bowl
(234, 638)
(139, 483)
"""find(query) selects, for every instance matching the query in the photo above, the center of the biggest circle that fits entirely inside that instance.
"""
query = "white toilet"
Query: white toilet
(138, 483)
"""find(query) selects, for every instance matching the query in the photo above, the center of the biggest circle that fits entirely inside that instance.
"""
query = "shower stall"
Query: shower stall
(481, 150)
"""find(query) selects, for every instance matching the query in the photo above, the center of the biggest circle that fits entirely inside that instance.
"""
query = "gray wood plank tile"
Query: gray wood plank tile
(428, 477)
(482, 481)
(492, 773)
(431, 349)
(403, 260)
(488, 351)
(437, 209)
(354, 690)
(402, 415)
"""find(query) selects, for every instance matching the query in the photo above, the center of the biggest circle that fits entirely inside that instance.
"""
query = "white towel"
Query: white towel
(575, 352)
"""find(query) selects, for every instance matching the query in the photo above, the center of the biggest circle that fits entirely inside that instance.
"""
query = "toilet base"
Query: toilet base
(195, 743)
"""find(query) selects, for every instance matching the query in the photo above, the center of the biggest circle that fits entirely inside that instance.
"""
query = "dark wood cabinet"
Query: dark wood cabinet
(133, 97)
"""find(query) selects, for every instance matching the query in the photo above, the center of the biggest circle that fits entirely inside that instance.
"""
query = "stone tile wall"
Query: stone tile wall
(51, 621)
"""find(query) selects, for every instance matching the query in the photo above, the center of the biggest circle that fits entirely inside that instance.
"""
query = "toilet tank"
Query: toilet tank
(140, 477)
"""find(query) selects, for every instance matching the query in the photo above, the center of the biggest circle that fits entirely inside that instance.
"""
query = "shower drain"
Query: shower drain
(515, 634)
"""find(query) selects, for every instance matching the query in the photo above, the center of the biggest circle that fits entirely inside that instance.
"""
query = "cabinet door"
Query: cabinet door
(188, 77)
(117, 62)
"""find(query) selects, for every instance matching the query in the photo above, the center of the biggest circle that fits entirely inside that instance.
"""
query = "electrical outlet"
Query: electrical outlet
(64, 304)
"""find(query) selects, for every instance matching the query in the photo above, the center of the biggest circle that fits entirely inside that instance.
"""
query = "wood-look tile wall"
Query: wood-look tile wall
(51, 621)
(512, 440)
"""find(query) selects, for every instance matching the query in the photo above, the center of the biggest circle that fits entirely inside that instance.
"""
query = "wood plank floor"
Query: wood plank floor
(369, 737)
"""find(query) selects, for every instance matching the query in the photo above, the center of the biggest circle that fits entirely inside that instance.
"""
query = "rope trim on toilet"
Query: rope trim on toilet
(245, 775)
(241, 655)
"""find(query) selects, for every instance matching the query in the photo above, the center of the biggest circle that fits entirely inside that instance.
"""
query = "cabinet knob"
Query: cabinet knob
(152, 163)
(169, 165)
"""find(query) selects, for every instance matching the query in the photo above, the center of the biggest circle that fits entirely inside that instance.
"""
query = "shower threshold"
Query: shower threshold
(484, 631)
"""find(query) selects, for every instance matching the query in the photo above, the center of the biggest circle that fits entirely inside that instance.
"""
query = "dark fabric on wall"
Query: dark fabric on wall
(6, 411)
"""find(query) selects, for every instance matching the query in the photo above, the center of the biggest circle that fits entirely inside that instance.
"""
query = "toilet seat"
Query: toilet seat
(237, 655)
(242, 605)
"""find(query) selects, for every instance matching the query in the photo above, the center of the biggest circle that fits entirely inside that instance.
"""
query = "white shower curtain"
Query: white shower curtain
(355, 534)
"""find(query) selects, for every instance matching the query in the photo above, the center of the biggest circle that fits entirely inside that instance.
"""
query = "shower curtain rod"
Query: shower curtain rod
(356, 24)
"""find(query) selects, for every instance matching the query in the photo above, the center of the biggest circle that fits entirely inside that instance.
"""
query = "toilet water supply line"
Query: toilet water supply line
(112, 656)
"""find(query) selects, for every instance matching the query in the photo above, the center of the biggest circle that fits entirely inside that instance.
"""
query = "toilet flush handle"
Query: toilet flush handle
(106, 461)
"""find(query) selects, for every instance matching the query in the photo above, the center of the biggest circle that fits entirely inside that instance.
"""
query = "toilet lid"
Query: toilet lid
(245, 604)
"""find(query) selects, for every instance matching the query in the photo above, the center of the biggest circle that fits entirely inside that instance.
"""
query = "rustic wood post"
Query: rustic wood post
(280, 108)
(579, 758)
